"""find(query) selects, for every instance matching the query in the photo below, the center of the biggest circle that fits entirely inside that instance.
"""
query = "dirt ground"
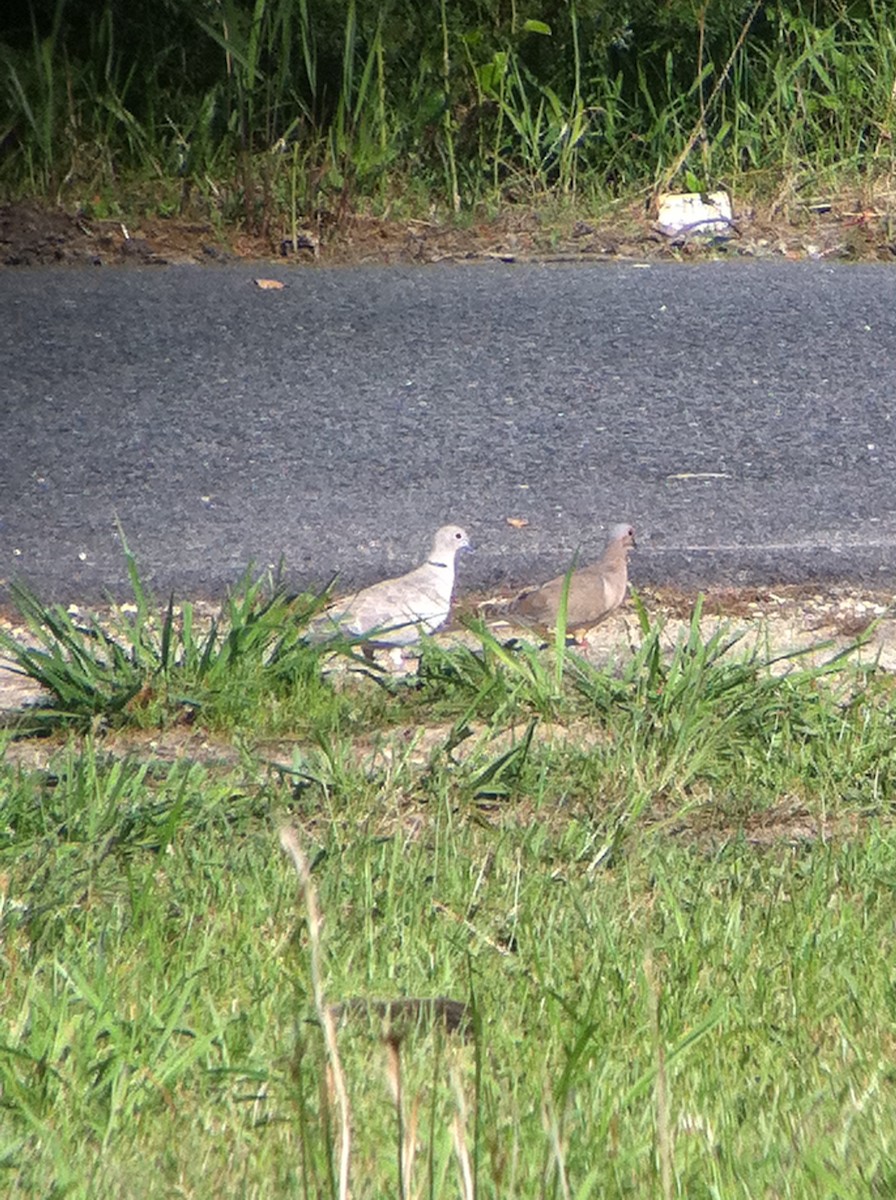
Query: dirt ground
(32, 235)
(771, 621)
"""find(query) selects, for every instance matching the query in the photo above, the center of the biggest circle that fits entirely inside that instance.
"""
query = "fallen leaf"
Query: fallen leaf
(517, 522)
(270, 284)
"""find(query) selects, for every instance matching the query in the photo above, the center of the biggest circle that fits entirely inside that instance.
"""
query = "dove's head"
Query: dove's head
(448, 540)
(624, 534)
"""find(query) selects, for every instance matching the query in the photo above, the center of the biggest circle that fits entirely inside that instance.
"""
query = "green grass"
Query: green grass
(278, 114)
(664, 891)
(138, 666)
(159, 1034)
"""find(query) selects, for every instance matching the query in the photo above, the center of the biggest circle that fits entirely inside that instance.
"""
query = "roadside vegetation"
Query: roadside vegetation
(541, 928)
(652, 902)
(277, 115)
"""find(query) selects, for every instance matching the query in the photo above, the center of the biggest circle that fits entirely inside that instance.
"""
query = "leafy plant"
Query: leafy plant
(692, 712)
(97, 668)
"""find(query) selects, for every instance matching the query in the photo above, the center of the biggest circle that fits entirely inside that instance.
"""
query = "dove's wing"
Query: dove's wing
(594, 591)
(396, 611)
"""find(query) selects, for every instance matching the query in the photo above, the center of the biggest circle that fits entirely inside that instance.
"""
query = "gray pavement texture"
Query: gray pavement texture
(739, 414)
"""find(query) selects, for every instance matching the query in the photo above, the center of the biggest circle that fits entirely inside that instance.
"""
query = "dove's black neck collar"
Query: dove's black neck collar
(431, 562)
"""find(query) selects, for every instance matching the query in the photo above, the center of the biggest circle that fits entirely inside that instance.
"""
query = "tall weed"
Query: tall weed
(282, 111)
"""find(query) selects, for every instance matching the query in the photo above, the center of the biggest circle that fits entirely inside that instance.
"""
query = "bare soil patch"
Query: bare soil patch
(32, 234)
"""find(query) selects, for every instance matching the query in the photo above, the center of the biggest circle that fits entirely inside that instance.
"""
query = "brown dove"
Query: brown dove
(594, 592)
(396, 611)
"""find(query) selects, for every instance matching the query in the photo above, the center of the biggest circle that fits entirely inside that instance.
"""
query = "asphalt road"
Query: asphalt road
(739, 414)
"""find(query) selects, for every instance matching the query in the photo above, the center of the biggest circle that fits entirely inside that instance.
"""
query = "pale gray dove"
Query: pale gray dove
(594, 592)
(397, 611)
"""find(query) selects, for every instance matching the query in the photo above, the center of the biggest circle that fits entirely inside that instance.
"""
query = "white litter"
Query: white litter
(694, 214)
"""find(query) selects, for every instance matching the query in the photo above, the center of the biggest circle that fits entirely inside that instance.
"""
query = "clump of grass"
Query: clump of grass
(693, 712)
(138, 665)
